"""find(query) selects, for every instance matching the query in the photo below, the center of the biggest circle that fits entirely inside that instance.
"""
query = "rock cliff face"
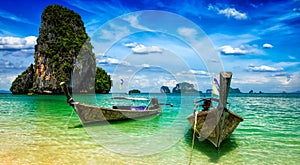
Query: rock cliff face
(23, 82)
(165, 89)
(63, 51)
(184, 87)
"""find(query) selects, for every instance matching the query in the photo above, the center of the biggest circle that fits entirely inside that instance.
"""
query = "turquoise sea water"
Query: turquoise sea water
(42, 130)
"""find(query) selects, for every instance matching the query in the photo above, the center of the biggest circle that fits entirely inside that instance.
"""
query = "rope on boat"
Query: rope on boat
(70, 117)
(147, 105)
(194, 133)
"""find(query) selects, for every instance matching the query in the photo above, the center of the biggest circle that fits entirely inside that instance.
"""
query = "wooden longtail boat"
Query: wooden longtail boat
(216, 124)
(93, 114)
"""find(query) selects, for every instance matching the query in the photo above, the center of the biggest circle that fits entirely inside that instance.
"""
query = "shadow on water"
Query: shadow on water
(75, 126)
(207, 148)
(98, 124)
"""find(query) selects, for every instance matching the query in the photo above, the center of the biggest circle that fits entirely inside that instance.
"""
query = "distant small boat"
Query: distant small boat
(93, 114)
(216, 124)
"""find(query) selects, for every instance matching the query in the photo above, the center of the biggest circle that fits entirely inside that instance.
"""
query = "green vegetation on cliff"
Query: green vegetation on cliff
(102, 81)
(63, 51)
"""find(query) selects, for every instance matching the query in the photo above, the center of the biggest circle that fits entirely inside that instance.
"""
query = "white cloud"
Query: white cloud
(6, 80)
(232, 12)
(99, 55)
(191, 72)
(287, 64)
(241, 50)
(187, 32)
(276, 82)
(112, 32)
(140, 81)
(12, 17)
(268, 46)
(250, 80)
(145, 65)
(294, 14)
(131, 44)
(17, 43)
(292, 57)
(275, 28)
(289, 83)
(283, 78)
(134, 22)
(112, 61)
(142, 49)
(198, 72)
(5, 64)
(264, 68)
(228, 12)
(220, 39)
(168, 83)
(228, 50)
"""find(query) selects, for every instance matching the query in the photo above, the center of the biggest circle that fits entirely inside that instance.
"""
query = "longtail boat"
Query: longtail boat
(215, 124)
(93, 114)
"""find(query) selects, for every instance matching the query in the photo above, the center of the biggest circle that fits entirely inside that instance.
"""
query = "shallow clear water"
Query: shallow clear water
(42, 130)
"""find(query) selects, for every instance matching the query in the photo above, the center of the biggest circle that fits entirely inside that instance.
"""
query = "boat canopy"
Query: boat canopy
(131, 98)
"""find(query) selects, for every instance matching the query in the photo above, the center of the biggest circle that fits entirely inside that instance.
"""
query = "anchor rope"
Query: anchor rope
(70, 117)
(193, 141)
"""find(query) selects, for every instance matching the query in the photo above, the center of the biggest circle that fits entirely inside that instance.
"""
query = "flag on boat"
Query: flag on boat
(121, 84)
(215, 87)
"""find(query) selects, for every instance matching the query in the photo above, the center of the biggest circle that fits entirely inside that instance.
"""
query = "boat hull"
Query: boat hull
(213, 125)
(93, 114)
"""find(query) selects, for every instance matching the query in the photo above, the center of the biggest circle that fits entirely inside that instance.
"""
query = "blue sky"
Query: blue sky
(153, 43)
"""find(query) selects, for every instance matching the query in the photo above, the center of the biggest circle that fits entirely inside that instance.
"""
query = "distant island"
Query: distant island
(63, 50)
(134, 91)
(231, 90)
(183, 87)
(165, 89)
(234, 90)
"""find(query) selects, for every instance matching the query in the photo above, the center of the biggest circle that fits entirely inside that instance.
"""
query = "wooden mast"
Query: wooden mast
(64, 87)
(225, 79)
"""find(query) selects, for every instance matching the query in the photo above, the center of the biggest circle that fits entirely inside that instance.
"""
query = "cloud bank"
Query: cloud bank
(142, 49)
(228, 12)
(16, 43)
(264, 68)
